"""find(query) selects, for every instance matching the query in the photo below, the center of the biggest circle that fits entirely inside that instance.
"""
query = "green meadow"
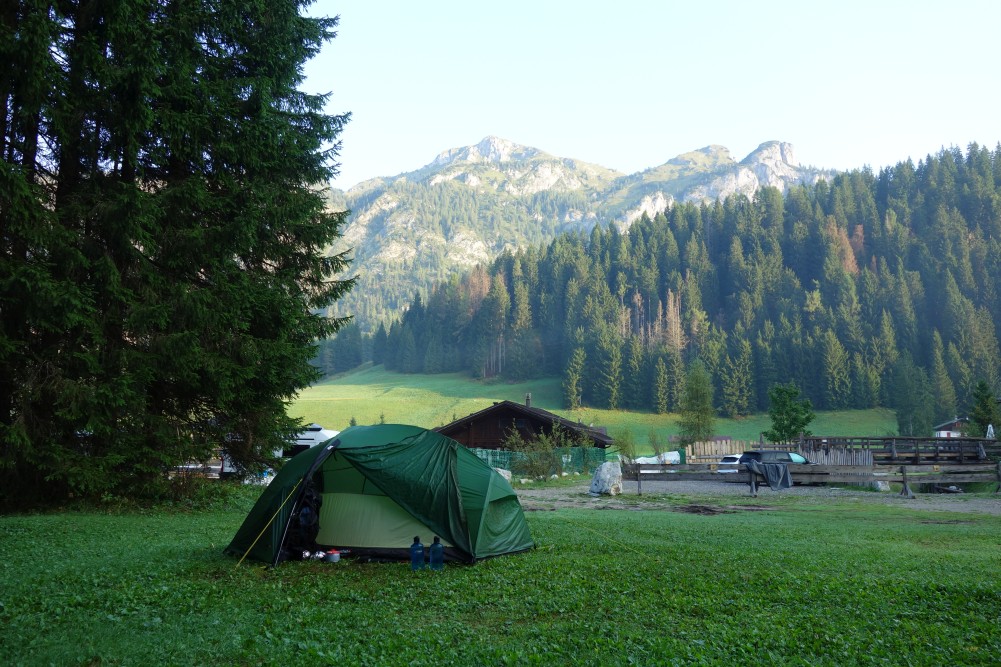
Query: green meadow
(802, 581)
(374, 394)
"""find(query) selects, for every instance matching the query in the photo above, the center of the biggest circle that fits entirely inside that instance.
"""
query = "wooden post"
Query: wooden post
(639, 483)
(906, 491)
(998, 490)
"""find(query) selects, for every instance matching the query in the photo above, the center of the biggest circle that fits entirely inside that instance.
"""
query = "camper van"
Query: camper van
(313, 435)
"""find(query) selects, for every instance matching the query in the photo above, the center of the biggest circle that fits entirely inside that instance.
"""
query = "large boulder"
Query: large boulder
(607, 480)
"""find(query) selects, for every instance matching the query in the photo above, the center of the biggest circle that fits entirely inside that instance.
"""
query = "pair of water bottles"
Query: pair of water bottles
(436, 554)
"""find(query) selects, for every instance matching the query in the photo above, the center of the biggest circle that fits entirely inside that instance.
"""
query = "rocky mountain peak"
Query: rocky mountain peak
(712, 154)
(772, 153)
(490, 149)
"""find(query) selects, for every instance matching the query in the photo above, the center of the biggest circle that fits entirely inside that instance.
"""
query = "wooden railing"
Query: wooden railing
(907, 475)
(909, 450)
(713, 450)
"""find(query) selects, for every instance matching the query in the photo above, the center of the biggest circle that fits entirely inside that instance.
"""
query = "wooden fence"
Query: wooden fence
(907, 450)
(907, 475)
(858, 451)
(714, 450)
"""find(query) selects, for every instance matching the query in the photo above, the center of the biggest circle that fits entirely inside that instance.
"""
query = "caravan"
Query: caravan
(313, 435)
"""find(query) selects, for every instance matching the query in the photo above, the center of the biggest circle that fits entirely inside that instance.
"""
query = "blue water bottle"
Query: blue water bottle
(417, 554)
(437, 554)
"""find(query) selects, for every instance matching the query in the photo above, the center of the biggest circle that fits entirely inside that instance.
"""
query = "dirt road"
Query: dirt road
(707, 495)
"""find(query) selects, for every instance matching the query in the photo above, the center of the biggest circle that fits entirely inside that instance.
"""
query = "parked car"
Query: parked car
(729, 463)
(774, 456)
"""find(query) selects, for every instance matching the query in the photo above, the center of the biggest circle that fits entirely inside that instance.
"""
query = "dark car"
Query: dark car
(774, 456)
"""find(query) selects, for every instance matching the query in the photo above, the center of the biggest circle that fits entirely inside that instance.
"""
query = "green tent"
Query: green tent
(371, 489)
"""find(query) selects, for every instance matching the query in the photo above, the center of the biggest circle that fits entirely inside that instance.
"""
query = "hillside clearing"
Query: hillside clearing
(374, 394)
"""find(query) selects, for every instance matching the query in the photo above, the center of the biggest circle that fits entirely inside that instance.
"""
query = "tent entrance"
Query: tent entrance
(356, 514)
(367, 521)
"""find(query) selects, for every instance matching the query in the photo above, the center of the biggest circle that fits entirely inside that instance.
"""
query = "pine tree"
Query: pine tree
(789, 413)
(572, 379)
(349, 347)
(635, 383)
(521, 310)
(609, 384)
(984, 411)
(433, 356)
(661, 391)
(764, 364)
(675, 380)
(942, 388)
(884, 354)
(409, 361)
(698, 416)
(379, 342)
(738, 382)
(837, 373)
(174, 252)
(962, 376)
(912, 399)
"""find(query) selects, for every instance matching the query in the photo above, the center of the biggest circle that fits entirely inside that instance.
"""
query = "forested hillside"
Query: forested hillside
(408, 232)
(870, 290)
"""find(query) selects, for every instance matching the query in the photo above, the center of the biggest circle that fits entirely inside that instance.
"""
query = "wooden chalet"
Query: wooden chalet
(488, 428)
(953, 428)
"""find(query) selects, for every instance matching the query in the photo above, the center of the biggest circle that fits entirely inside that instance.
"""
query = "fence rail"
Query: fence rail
(715, 449)
(902, 449)
(822, 474)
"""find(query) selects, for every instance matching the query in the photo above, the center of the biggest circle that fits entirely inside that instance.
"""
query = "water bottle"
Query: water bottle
(417, 554)
(437, 554)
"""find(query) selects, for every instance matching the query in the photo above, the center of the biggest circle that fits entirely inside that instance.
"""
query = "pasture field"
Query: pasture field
(799, 581)
(374, 394)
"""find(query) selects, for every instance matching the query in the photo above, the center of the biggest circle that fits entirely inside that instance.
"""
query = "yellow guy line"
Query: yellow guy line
(614, 541)
(267, 525)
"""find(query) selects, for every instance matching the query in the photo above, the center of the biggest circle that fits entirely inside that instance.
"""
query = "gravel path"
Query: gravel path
(668, 494)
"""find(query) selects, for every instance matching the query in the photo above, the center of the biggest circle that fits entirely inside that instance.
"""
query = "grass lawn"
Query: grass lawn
(806, 581)
(375, 395)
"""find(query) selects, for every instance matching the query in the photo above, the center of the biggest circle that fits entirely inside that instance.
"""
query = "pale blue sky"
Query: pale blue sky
(631, 84)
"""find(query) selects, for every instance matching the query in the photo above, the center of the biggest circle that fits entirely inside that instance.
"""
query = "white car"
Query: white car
(728, 463)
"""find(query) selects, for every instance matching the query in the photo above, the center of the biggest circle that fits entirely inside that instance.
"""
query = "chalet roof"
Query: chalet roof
(952, 422)
(600, 438)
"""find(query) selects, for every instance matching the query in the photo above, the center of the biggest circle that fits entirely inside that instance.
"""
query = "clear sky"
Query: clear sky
(630, 84)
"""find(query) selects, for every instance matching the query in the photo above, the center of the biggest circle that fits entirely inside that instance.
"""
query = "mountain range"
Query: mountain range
(470, 204)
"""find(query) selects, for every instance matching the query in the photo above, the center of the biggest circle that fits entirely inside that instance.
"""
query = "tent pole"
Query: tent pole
(268, 524)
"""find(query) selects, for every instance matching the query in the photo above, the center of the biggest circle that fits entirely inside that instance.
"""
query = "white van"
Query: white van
(313, 435)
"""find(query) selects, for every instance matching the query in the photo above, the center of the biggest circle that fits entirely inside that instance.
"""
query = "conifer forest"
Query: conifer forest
(872, 289)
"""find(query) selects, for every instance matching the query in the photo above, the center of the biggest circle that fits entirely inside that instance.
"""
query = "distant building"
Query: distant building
(488, 428)
(953, 428)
